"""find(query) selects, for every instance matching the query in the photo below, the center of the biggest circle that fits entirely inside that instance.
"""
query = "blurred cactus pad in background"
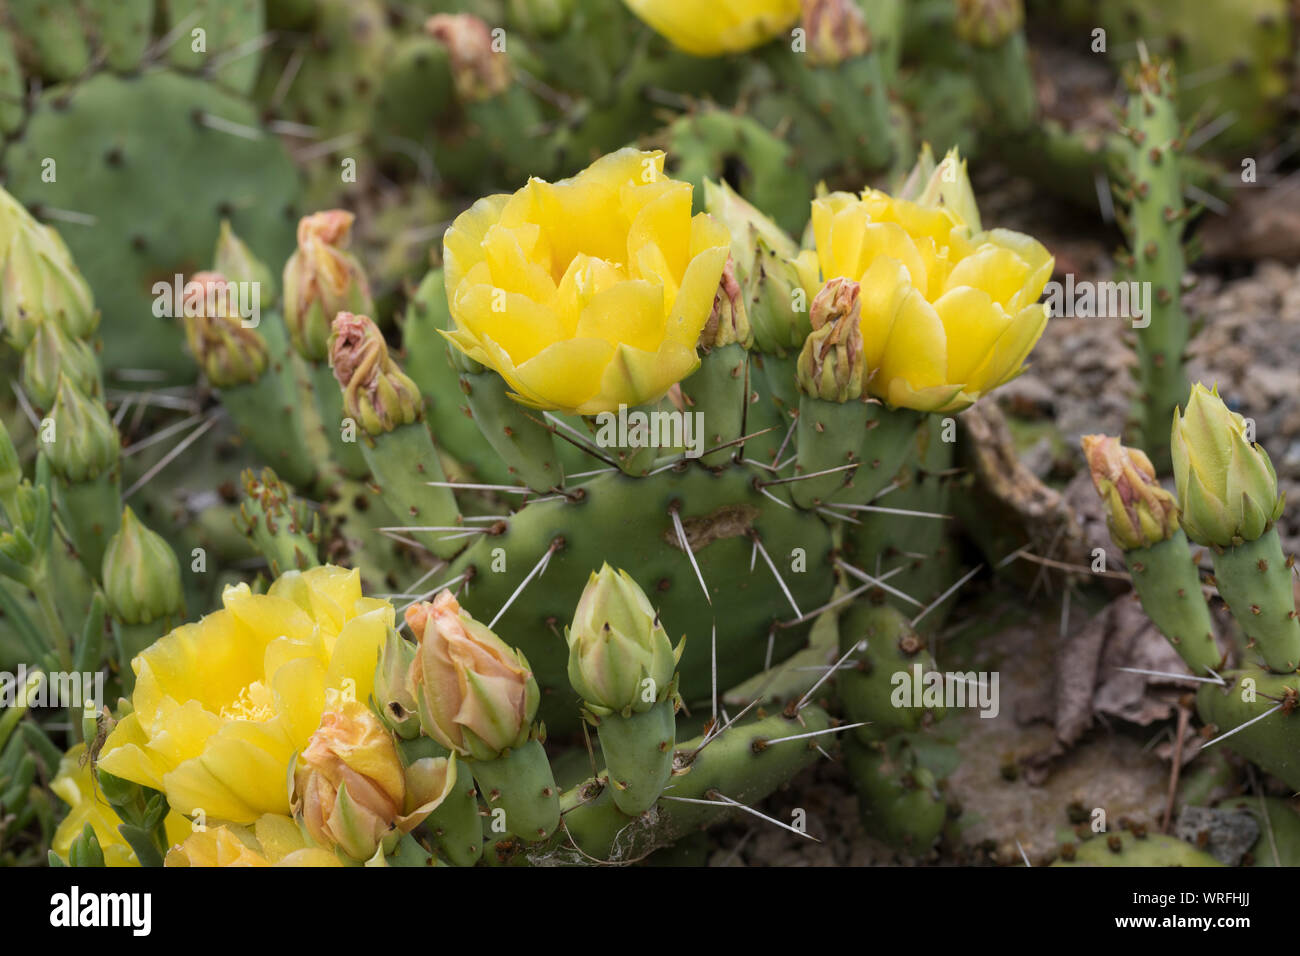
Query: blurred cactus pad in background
(634, 432)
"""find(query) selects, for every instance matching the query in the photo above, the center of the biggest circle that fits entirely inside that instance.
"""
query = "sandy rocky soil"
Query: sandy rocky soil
(1081, 732)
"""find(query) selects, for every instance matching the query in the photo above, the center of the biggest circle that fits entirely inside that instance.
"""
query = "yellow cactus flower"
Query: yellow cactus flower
(75, 785)
(719, 26)
(221, 706)
(273, 840)
(590, 292)
(948, 312)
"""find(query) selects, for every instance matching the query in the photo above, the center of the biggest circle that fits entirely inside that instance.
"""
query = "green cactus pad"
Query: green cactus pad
(106, 137)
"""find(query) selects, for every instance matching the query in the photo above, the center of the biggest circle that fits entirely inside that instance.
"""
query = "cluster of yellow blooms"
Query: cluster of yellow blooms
(592, 292)
(583, 294)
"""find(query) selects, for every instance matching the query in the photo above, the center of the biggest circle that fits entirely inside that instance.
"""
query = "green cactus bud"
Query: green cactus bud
(988, 23)
(1139, 512)
(322, 279)
(51, 353)
(540, 17)
(279, 524)
(621, 659)
(142, 578)
(41, 282)
(946, 184)
(475, 694)
(393, 696)
(774, 292)
(831, 365)
(479, 71)
(728, 323)
(236, 262)
(377, 394)
(11, 470)
(229, 352)
(836, 31)
(1227, 488)
(85, 444)
(747, 225)
(763, 260)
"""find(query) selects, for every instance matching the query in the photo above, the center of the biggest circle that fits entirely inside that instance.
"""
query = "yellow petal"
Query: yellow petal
(278, 836)
(462, 241)
(635, 377)
(126, 754)
(917, 350)
(972, 322)
(1011, 349)
(516, 323)
(630, 313)
(563, 375)
(883, 290)
(357, 652)
(299, 688)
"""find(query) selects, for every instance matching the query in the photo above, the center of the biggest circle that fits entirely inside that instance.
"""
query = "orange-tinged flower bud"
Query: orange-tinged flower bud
(729, 320)
(476, 695)
(479, 70)
(377, 394)
(322, 279)
(831, 365)
(349, 786)
(836, 31)
(988, 23)
(1139, 512)
(229, 352)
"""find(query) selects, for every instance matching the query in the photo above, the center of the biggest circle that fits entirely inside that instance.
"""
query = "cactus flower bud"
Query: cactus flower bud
(831, 366)
(836, 31)
(85, 444)
(51, 353)
(351, 790)
(11, 469)
(236, 261)
(764, 265)
(1139, 512)
(620, 657)
(746, 224)
(479, 71)
(1227, 488)
(475, 694)
(322, 279)
(988, 23)
(946, 184)
(349, 786)
(229, 353)
(142, 578)
(542, 17)
(41, 281)
(393, 695)
(729, 320)
(377, 394)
